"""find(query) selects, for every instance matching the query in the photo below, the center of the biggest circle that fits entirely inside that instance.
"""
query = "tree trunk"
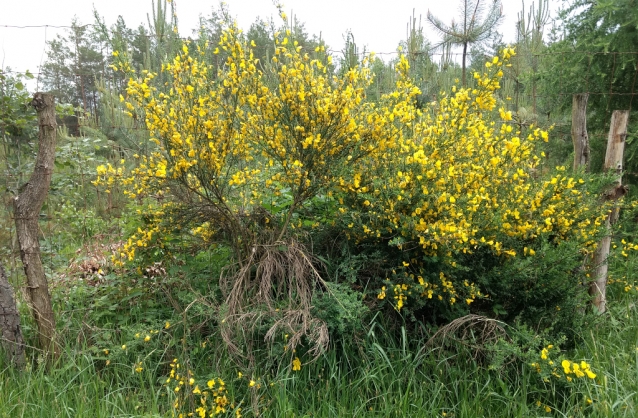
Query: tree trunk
(464, 54)
(10, 333)
(27, 206)
(579, 131)
(613, 161)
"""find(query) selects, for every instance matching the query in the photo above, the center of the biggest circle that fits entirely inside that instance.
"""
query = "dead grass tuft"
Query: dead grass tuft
(475, 333)
(276, 283)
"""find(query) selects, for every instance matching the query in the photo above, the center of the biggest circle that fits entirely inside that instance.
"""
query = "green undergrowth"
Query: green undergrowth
(123, 333)
(122, 371)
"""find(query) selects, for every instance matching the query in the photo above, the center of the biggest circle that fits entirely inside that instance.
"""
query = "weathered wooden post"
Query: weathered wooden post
(579, 131)
(613, 162)
(11, 340)
(27, 206)
(580, 140)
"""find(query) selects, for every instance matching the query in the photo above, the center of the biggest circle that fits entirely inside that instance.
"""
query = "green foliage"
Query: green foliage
(544, 292)
(594, 50)
(382, 373)
(16, 129)
(341, 308)
(15, 113)
(523, 79)
(73, 62)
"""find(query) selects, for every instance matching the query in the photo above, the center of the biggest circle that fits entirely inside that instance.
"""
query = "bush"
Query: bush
(452, 199)
(466, 214)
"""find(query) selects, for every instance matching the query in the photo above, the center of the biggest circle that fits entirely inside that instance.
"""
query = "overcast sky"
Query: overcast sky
(377, 24)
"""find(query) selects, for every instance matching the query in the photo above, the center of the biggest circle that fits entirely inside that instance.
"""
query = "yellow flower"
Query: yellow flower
(147, 338)
(577, 371)
(296, 364)
(252, 383)
(566, 366)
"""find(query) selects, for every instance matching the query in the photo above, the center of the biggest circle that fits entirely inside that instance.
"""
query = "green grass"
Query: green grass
(376, 376)
(76, 389)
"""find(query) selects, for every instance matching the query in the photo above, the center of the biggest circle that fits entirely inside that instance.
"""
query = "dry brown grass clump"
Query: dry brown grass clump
(275, 285)
(475, 333)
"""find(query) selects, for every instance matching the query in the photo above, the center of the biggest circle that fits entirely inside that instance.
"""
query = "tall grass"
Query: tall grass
(374, 374)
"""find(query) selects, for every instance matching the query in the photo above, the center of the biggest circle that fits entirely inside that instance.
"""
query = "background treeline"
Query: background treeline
(588, 46)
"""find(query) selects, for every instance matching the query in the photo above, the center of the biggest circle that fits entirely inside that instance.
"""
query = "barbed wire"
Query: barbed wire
(47, 26)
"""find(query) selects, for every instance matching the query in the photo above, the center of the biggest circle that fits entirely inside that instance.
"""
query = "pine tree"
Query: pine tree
(471, 29)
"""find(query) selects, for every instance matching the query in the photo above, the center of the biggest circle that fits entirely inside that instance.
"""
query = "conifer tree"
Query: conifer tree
(471, 28)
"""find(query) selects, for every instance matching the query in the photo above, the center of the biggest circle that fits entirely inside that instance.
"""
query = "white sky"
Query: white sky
(377, 24)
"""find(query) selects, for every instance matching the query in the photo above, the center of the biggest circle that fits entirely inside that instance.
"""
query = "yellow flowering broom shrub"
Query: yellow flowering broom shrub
(463, 196)
(237, 153)
(449, 191)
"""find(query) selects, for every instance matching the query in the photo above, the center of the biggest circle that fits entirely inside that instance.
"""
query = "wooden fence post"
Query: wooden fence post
(27, 206)
(613, 162)
(579, 131)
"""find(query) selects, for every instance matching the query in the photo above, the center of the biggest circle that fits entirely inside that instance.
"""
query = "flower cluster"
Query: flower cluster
(212, 396)
(627, 247)
(625, 263)
(579, 370)
(107, 175)
(570, 369)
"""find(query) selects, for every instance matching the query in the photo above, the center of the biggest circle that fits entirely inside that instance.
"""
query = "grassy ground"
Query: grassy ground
(373, 376)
